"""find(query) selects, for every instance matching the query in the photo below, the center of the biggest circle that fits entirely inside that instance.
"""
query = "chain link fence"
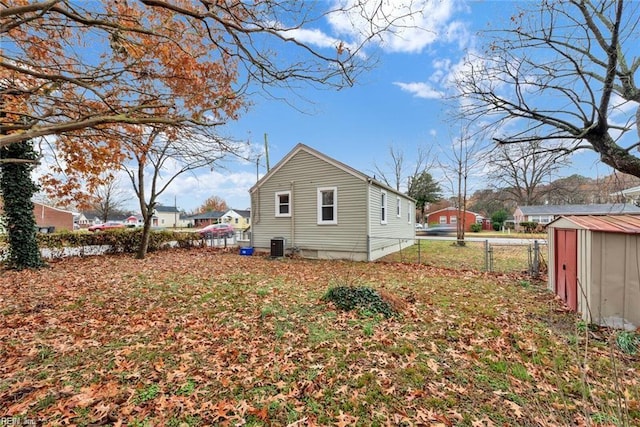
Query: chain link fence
(504, 257)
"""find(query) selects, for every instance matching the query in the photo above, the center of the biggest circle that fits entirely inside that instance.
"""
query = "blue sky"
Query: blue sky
(398, 103)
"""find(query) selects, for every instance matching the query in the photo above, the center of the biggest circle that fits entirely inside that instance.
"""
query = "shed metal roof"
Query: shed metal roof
(628, 224)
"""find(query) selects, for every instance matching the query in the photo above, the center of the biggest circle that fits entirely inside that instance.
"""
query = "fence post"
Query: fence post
(536, 258)
(486, 255)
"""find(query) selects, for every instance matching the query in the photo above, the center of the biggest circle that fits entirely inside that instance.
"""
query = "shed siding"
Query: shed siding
(608, 275)
(615, 290)
(303, 174)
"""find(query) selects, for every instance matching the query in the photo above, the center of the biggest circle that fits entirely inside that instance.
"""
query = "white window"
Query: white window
(327, 205)
(409, 212)
(383, 207)
(283, 203)
(398, 207)
(443, 219)
(454, 219)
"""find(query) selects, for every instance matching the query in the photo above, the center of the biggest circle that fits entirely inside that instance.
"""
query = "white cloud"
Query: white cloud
(412, 25)
(192, 190)
(315, 37)
(420, 90)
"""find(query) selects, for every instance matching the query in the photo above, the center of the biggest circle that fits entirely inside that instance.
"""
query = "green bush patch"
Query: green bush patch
(348, 298)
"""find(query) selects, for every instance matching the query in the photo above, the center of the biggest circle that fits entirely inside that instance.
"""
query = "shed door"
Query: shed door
(566, 267)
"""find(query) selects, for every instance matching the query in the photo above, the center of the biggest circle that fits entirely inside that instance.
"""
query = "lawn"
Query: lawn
(207, 337)
(503, 258)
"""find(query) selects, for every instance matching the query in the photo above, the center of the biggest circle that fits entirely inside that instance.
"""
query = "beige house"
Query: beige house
(318, 207)
(240, 219)
(169, 216)
(593, 267)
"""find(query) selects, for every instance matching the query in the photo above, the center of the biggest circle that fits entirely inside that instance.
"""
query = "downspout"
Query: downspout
(293, 215)
(368, 219)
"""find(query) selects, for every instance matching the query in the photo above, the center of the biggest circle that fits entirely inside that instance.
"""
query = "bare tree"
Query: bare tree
(399, 168)
(110, 198)
(523, 170)
(160, 155)
(465, 155)
(565, 72)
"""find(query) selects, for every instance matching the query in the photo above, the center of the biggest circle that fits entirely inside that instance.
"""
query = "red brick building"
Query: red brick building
(449, 216)
(48, 216)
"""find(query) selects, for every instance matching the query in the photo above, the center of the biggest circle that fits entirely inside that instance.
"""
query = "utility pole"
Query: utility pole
(266, 151)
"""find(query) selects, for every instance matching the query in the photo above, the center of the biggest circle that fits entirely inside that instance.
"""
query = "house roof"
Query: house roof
(346, 168)
(630, 192)
(596, 209)
(208, 215)
(243, 213)
(629, 224)
(170, 209)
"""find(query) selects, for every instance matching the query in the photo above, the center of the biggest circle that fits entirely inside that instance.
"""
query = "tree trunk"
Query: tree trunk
(459, 220)
(144, 240)
(17, 189)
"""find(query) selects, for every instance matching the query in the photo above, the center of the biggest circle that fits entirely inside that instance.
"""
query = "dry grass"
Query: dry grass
(210, 338)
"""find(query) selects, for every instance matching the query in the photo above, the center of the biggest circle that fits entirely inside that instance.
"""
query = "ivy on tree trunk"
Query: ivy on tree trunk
(17, 189)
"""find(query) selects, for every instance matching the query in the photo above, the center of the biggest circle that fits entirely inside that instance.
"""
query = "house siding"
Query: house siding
(303, 174)
(397, 232)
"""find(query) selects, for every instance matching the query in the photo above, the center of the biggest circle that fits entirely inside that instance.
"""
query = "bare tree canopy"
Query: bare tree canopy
(523, 170)
(401, 168)
(69, 65)
(565, 73)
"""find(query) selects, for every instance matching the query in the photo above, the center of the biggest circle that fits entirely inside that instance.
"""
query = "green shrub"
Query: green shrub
(476, 228)
(362, 297)
(119, 240)
(496, 226)
(628, 341)
(529, 226)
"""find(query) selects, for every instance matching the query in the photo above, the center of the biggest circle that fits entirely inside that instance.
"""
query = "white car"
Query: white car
(419, 226)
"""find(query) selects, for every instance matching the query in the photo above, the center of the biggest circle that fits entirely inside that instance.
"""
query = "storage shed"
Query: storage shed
(594, 267)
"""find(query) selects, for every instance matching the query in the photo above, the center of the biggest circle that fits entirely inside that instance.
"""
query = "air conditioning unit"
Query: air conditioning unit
(277, 247)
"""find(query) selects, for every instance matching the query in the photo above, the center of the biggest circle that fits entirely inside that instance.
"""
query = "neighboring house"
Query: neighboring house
(207, 218)
(631, 195)
(85, 219)
(449, 216)
(48, 216)
(322, 208)
(240, 219)
(135, 220)
(168, 216)
(544, 214)
(89, 218)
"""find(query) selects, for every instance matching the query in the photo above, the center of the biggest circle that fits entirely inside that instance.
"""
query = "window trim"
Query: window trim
(398, 207)
(383, 207)
(408, 212)
(278, 204)
(319, 205)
